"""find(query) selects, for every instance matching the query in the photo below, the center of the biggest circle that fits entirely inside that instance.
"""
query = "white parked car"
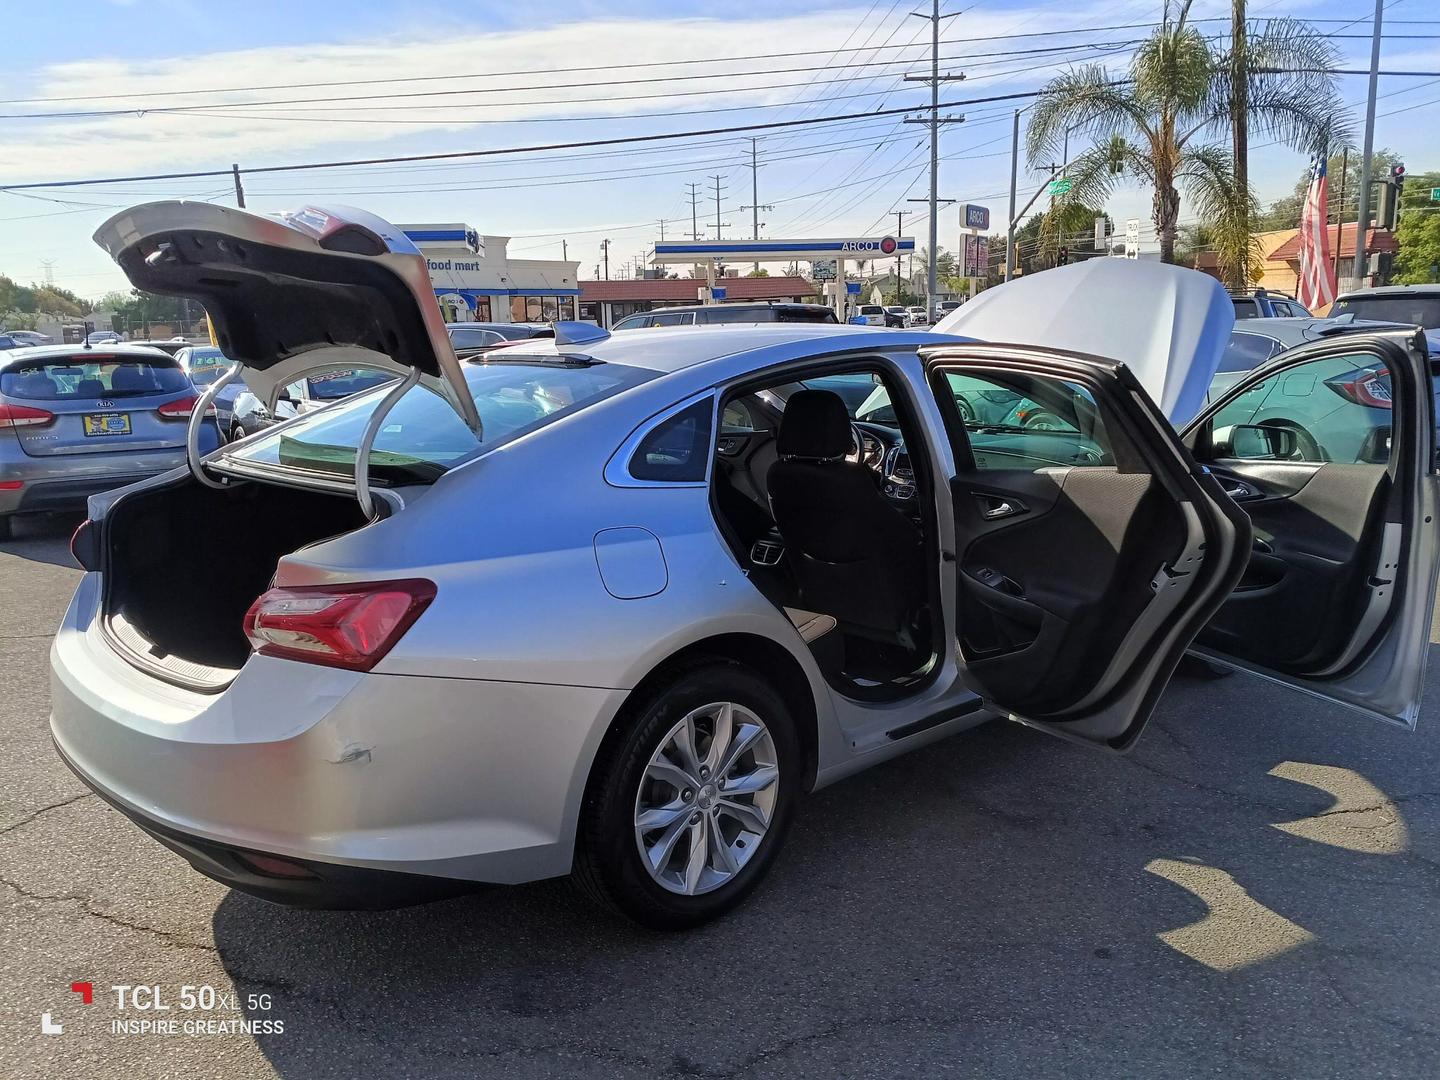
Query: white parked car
(610, 605)
(870, 314)
(916, 316)
(29, 337)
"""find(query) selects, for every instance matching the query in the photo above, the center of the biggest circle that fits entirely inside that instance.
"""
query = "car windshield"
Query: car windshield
(422, 436)
(206, 365)
(73, 377)
(1416, 310)
(334, 385)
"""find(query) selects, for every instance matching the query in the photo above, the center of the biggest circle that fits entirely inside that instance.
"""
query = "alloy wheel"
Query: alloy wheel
(706, 798)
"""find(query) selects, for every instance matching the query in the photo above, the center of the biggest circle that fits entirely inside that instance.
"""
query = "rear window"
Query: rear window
(334, 385)
(1414, 310)
(871, 309)
(71, 378)
(1247, 309)
(207, 365)
(422, 436)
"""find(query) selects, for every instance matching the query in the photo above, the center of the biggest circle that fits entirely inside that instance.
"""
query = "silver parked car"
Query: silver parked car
(75, 420)
(610, 604)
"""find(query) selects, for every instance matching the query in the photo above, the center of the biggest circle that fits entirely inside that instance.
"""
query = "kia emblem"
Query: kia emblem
(104, 404)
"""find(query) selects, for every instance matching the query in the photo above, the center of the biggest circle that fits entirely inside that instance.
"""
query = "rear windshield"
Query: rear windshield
(423, 436)
(1412, 310)
(334, 385)
(207, 365)
(1247, 351)
(71, 378)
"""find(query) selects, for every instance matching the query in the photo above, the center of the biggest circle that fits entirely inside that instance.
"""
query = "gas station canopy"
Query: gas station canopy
(847, 248)
(711, 253)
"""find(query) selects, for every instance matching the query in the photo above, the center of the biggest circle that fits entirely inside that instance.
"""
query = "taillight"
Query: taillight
(1372, 389)
(24, 416)
(85, 545)
(349, 626)
(182, 408)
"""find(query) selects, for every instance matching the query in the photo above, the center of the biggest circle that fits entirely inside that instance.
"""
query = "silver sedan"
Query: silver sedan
(609, 606)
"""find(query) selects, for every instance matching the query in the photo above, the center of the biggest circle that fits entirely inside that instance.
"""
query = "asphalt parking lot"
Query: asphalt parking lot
(1255, 891)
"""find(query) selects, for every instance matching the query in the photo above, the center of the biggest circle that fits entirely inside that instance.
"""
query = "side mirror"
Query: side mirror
(1252, 441)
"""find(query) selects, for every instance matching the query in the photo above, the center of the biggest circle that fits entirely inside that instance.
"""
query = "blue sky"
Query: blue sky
(831, 181)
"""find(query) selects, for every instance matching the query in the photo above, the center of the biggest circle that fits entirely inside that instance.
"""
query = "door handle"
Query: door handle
(993, 507)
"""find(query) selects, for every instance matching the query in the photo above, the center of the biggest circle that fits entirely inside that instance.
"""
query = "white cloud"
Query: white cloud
(143, 141)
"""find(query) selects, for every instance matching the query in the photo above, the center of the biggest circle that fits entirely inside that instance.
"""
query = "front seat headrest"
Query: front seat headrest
(815, 425)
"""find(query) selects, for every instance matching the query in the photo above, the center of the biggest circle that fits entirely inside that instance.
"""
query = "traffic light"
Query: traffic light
(1397, 177)
(1385, 210)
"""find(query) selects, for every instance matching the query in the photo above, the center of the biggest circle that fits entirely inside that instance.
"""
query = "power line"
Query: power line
(508, 150)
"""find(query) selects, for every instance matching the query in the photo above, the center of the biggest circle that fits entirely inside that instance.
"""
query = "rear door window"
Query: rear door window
(75, 378)
(1247, 351)
(677, 450)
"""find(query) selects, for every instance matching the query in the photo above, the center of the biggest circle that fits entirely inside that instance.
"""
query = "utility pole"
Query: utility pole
(755, 206)
(662, 229)
(1340, 211)
(239, 191)
(1362, 215)
(1239, 128)
(564, 251)
(935, 121)
(1014, 179)
(605, 252)
(718, 189)
(694, 213)
(899, 231)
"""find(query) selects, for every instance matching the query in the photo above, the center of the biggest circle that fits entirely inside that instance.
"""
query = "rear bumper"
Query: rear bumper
(292, 882)
(337, 771)
(64, 482)
(43, 495)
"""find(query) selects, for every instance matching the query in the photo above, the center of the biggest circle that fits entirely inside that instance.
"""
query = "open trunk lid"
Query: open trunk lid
(304, 290)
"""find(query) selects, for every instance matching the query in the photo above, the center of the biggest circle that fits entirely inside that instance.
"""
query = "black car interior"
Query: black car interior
(1056, 560)
(1318, 530)
(823, 514)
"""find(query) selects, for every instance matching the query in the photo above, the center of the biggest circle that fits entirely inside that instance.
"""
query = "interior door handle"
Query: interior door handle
(993, 507)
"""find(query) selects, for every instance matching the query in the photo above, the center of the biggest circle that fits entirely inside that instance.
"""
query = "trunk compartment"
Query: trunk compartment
(183, 563)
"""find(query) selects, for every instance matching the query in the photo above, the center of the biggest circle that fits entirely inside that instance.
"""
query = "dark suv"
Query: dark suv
(1266, 304)
(1413, 305)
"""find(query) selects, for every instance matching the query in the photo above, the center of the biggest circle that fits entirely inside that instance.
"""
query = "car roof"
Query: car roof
(667, 349)
(42, 352)
(756, 305)
(1390, 290)
(1297, 331)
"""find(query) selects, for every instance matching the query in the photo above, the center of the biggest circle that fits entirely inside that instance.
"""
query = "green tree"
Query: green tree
(1284, 213)
(1151, 126)
(1418, 232)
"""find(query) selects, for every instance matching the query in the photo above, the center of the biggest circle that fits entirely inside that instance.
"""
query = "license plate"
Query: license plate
(107, 423)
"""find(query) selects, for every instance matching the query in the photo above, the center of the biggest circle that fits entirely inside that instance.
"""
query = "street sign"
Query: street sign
(1435, 194)
(1132, 238)
(852, 288)
(976, 217)
(1061, 186)
(718, 292)
(977, 256)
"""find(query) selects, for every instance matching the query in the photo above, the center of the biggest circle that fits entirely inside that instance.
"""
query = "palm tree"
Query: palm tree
(1181, 89)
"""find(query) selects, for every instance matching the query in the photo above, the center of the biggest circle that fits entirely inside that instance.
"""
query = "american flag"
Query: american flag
(1316, 287)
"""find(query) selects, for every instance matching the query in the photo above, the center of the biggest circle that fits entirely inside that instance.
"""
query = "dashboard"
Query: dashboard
(881, 449)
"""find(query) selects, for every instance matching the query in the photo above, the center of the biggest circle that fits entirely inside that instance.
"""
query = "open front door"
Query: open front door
(1330, 450)
(1089, 548)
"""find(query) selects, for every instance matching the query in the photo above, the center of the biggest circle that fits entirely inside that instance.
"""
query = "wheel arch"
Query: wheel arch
(767, 658)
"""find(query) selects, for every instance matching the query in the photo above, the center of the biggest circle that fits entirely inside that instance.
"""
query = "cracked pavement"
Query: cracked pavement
(981, 907)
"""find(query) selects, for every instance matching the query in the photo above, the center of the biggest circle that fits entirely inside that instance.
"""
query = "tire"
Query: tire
(238, 432)
(7, 527)
(609, 866)
(966, 410)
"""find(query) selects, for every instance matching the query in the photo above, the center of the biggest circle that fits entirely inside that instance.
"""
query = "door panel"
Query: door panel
(1079, 586)
(1337, 598)
(1313, 543)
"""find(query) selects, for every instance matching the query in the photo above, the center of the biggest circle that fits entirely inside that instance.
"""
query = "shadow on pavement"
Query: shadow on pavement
(999, 904)
(43, 538)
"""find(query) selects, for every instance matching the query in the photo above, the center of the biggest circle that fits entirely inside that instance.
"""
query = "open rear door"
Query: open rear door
(1330, 450)
(1089, 548)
